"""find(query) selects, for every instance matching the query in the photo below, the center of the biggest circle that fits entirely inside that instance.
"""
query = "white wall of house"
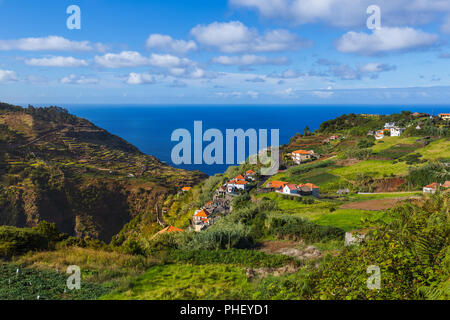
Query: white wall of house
(429, 190)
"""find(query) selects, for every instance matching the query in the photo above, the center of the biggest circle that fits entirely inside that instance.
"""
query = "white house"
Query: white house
(290, 189)
(396, 131)
(300, 156)
(237, 184)
(431, 188)
(389, 125)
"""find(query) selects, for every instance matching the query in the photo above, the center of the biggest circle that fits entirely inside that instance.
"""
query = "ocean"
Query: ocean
(150, 127)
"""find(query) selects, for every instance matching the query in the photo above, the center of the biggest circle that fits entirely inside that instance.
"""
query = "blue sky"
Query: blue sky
(225, 52)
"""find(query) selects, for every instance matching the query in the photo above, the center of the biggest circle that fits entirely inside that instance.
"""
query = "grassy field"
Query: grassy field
(186, 282)
(374, 168)
(320, 213)
(96, 265)
(439, 149)
(389, 142)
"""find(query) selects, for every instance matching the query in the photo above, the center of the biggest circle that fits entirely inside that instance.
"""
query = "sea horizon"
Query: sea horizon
(149, 127)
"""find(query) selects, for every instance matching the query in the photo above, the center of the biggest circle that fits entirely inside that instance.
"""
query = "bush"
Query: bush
(16, 241)
(248, 258)
(298, 228)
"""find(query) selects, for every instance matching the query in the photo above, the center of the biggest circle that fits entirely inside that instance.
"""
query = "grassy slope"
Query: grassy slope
(185, 282)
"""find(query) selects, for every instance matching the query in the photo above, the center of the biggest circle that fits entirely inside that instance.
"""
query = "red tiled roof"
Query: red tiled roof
(291, 186)
(303, 152)
(446, 184)
(240, 177)
(250, 172)
(433, 185)
(203, 213)
(277, 184)
(186, 188)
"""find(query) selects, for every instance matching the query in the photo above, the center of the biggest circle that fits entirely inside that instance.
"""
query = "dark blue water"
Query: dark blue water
(150, 127)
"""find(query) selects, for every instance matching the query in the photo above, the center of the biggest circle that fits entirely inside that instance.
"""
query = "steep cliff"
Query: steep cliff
(60, 168)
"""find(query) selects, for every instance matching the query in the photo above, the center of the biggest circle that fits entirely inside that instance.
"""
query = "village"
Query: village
(221, 204)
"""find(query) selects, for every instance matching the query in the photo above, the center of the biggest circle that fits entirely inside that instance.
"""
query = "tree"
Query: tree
(307, 132)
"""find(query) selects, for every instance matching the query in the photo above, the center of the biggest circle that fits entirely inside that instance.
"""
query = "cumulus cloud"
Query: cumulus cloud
(50, 43)
(167, 43)
(135, 59)
(234, 37)
(385, 40)
(249, 60)
(7, 76)
(76, 79)
(56, 62)
(140, 78)
(346, 13)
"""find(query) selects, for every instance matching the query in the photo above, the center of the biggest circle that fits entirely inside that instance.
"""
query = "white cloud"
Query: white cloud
(238, 94)
(323, 94)
(347, 13)
(8, 75)
(192, 72)
(249, 60)
(75, 79)
(374, 67)
(140, 78)
(123, 59)
(287, 74)
(234, 37)
(56, 62)
(385, 40)
(135, 59)
(167, 43)
(50, 43)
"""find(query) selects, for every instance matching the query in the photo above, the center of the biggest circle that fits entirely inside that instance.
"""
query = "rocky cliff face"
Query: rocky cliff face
(63, 169)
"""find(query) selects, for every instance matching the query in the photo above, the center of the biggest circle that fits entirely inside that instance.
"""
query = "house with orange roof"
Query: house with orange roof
(201, 215)
(276, 185)
(431, 188)
(309, 188)
(300, 156)
(250, 175)
(234, 185)
(291, 189)
(446, 184)
(186, 189)
(201, 219)
(444, 116)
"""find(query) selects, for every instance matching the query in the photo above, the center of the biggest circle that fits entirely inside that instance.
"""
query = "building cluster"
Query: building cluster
(287, 188)
(390, 129)
(301, 156)
(211, 211)
(239, 183)
(434, 187)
